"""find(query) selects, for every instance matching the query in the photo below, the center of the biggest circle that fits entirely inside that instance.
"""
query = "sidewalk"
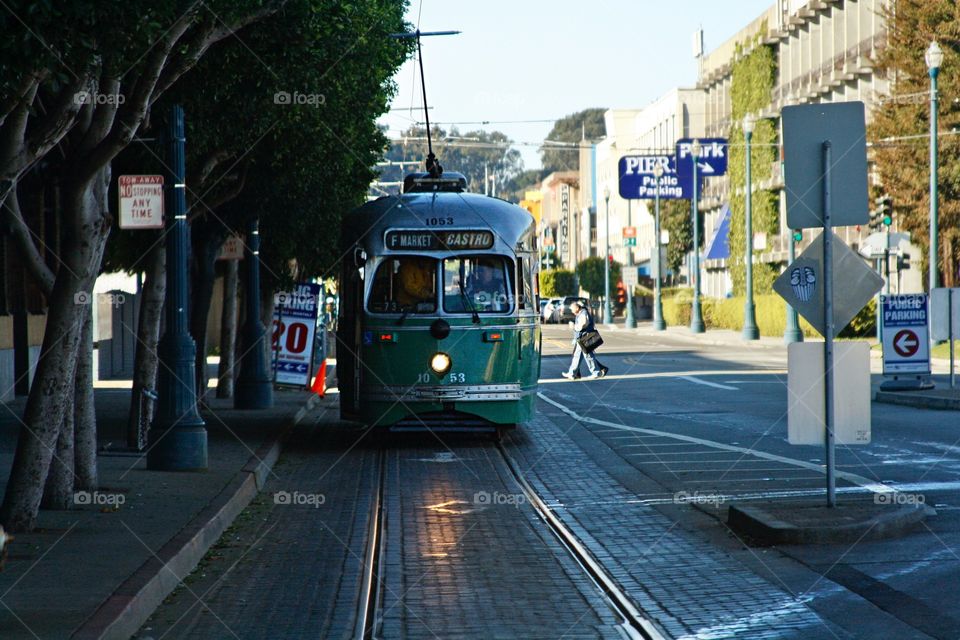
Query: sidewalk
(98, 570)
(940, 397)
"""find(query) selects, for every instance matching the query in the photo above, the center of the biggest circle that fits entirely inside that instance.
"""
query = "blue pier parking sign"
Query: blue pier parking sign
(906, 345)
(639, 182)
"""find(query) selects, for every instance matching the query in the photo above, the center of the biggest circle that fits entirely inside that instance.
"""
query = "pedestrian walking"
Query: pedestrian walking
(583, 328)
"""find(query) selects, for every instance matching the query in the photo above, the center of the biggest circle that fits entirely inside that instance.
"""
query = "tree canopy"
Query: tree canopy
(475, 154)
(900, 146)
(582, 125)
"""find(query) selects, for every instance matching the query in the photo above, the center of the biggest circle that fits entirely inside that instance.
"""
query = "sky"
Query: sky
(544, 59)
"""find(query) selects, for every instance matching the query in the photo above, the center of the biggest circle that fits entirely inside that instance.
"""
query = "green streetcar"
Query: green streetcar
(439, 324)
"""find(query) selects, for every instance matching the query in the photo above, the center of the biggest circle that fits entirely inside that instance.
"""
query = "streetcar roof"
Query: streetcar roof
(369, 223)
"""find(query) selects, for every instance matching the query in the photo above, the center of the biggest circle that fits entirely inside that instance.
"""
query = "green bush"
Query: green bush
(555, 283)
(770, 311)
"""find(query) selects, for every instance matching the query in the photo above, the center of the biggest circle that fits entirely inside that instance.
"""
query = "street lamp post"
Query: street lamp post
(696, 316)
(630, 322)
(607, 316)
(177, 439)
(934, 57)
(658, 322)
(750, 330)
(254, 385)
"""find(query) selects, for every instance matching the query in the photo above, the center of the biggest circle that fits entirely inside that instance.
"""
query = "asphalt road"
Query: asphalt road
(641, 466)
(732, 398)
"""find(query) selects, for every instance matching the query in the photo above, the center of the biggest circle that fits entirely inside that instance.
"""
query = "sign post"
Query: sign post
(810, 133)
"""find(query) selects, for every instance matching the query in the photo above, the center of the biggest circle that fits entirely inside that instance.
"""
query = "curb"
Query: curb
(764, 527)
(135, 600)
(918, 401)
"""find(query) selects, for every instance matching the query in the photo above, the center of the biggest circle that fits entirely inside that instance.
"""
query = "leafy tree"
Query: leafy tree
(590, 271)
(675, 220)
(475, 154)
(903, 161)
(111, 63)
(557, 282)
(515, 189)
(587, 124)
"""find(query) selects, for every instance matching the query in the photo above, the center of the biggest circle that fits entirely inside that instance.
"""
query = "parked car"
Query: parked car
(550, 310)
(565, 314)
(543, 303)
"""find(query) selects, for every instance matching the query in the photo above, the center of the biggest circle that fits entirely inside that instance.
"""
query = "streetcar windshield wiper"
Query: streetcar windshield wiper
(466, 300)
(403, 316)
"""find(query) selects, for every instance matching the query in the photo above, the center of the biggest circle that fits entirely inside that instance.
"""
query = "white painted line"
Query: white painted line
(677, 374)
(866, 483)
(715, 385)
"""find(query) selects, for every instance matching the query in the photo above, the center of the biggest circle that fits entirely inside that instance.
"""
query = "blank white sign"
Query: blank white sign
(851, 398)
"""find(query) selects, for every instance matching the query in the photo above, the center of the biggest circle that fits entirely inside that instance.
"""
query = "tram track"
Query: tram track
(371, 591)
(369, 625)
(635, 623)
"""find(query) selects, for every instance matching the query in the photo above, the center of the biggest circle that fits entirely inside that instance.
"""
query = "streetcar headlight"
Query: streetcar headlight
(440, 363)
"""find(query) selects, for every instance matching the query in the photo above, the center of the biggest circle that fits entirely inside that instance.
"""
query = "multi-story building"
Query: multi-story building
(825, 52)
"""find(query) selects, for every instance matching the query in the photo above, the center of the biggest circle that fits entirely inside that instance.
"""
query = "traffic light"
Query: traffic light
(903, 262)
(882, 216)
(797, 235)
(621, 294)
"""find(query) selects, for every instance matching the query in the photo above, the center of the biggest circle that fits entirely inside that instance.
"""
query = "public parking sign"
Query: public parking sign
(906, 346)
(294, 324)
(638, 182)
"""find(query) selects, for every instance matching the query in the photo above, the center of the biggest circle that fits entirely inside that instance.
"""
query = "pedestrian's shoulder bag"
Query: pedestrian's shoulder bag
(590, 340)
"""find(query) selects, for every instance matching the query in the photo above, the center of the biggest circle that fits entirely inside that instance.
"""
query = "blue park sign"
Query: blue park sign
(711, 162)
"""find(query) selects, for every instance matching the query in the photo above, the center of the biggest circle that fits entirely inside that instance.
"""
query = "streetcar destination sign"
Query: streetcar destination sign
(439, 240)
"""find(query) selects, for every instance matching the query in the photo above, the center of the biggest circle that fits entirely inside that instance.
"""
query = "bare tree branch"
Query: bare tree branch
(23, 239)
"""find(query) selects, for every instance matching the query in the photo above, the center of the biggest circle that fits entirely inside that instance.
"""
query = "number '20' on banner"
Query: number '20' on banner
(295, 315)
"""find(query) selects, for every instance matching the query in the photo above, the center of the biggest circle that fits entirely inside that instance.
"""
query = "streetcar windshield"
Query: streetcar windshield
(404, 284)
(476, 283)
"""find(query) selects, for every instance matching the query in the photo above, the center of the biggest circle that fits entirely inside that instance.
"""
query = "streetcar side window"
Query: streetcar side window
(404, 284)
(527, 300)
(476, 283)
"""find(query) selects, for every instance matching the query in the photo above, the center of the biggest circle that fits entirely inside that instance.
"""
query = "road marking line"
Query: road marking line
(715, 385)
(866, 483)
(678, 374)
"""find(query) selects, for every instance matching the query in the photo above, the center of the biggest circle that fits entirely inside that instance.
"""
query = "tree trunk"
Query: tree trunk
(145, 360)
(206, 249)
(228, 331)
(54, 381)
(58, 491)
(84, 412)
